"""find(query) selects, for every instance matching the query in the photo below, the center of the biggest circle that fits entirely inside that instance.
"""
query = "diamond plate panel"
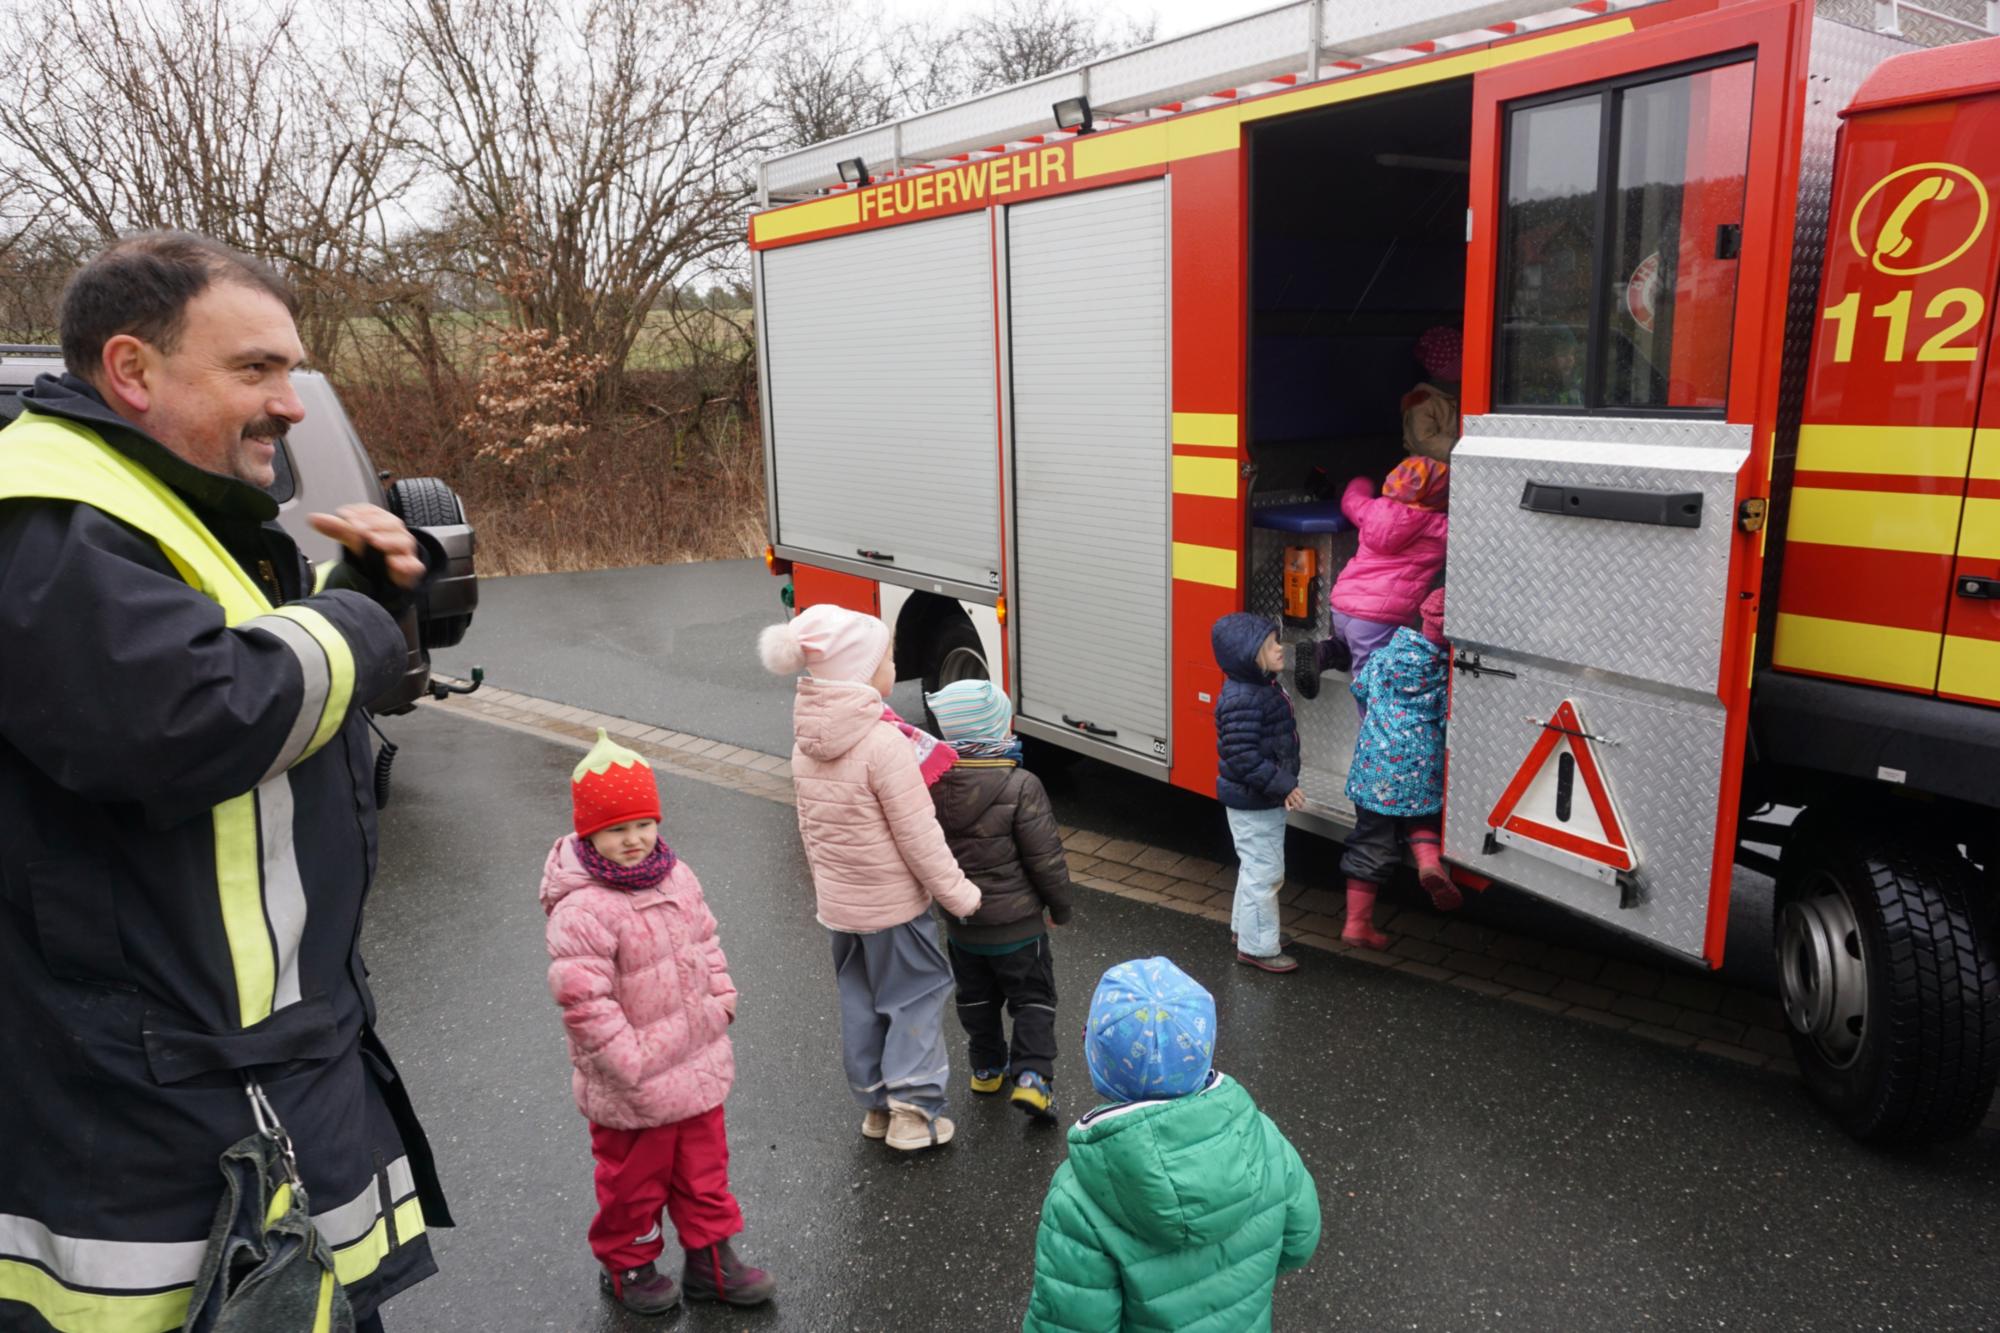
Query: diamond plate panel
(1638, 599)
(1663, 765)
(1328, 724)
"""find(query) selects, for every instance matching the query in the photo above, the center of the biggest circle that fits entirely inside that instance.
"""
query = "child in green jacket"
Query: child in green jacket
(1180, 1202)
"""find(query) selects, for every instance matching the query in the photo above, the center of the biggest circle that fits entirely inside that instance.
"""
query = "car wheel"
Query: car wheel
(1887, 972)
(424, 502)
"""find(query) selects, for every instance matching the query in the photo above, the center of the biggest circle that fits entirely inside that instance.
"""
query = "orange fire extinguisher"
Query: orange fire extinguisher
(1301, 585)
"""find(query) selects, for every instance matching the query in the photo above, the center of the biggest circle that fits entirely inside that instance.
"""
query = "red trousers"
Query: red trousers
(682, 1167)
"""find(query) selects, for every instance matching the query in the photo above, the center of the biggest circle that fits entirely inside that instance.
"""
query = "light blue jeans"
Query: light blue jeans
(1260, 853)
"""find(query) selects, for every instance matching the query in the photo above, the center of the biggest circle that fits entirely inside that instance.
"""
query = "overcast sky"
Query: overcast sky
(1176, 16)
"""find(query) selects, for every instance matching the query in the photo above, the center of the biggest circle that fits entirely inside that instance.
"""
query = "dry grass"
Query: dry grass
(670, 477)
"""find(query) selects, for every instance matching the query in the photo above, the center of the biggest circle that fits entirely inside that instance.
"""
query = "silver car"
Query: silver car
(322, 465)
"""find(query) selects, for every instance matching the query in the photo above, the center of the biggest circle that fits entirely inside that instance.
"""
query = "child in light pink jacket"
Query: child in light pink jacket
(878, 861)
(647, 1003)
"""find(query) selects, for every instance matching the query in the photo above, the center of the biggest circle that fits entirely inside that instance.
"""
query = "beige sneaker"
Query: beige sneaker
(875, 1125)
(910, 1130)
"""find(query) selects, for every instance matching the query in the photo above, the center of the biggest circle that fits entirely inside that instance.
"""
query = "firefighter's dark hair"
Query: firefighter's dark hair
(142, 286)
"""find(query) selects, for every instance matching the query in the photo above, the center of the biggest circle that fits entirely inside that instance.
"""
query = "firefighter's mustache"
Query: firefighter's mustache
(272, 429)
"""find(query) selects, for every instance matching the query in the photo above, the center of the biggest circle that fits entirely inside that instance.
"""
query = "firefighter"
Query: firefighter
(187, 829)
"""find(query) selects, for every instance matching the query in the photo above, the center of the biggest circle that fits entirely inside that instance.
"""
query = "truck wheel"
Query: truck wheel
(1887, 972)
(955, 654)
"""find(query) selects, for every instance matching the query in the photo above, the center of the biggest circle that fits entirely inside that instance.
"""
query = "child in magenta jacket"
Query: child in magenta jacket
(646, 1003)
(1401, 554)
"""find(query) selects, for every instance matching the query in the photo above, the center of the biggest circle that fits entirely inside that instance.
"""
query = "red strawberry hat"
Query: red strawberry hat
(612, 786)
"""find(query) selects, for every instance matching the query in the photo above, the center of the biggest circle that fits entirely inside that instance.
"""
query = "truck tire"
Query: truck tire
(423, 502)
(954, 654)
(1887, 973)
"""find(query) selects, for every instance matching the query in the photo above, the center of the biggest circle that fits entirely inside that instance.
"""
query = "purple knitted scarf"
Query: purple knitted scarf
(646, 874)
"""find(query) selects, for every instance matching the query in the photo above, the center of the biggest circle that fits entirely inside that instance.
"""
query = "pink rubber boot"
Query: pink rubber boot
(1360, 929)
(1424, 845)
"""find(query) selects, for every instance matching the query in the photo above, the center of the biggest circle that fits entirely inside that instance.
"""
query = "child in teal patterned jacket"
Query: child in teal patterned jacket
(1397, 778)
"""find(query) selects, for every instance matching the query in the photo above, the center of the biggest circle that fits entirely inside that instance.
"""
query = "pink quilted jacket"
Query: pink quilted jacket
(645, 994)
(871, 832)
(1402, 549)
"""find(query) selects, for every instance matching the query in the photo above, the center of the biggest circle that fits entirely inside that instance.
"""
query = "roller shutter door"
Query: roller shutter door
(883, 422)
(1087, 297)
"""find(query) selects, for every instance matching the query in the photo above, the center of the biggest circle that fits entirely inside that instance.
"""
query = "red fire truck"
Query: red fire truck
(1054, 378)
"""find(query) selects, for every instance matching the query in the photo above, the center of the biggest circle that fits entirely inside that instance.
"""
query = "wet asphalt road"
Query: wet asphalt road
(1481, 1165)
(675, 646)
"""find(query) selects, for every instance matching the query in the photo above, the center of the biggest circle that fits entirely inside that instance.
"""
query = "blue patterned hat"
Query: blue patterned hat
(1151, 1032)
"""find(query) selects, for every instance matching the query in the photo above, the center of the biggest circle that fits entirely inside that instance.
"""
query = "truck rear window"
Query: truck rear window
(1620, 244)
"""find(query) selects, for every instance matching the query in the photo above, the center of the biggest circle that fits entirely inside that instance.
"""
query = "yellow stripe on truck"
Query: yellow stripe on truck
(1205, 430)
(841, 210)
(1902, 451)
(1879, 520)
(1979, 536)
(1213, 565)
(1220, 130)
(1858, 651)
(1970, 668)
(1195, 475)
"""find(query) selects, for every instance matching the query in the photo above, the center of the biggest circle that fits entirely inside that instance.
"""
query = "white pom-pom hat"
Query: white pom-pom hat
(831, 642)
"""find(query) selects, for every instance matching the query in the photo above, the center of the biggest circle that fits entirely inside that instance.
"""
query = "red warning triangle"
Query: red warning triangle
(1565, 806)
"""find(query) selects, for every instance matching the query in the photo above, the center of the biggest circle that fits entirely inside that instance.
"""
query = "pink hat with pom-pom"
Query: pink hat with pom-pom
(830, 642)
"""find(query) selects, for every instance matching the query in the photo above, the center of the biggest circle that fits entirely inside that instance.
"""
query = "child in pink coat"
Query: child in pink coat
(647, 1003)
(1401, 554)
(878, 861)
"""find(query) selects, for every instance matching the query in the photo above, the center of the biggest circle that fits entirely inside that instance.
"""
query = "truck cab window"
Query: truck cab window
(1623, 225)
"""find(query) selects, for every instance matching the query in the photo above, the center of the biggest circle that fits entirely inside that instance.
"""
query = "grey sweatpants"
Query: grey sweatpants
(894, 985)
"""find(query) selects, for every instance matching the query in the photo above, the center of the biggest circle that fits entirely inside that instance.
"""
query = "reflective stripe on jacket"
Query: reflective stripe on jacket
(186, 838)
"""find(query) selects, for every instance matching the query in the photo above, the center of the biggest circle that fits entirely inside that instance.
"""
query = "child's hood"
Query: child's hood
(563, 873)
(1175, 1173)
(1237, 638)
(830, 717)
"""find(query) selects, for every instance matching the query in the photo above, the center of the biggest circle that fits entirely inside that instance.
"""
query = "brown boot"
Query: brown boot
(714, 1273)
(643, 1290)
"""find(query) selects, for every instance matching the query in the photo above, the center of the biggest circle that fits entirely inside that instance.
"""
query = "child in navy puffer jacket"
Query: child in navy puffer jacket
(1397, 778)
(1257, 780)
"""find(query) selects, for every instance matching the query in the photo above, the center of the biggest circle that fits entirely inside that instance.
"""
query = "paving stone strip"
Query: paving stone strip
(1678, 1009)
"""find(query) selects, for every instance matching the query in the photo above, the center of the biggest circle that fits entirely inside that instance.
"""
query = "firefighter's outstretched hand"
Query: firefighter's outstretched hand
(362, 528)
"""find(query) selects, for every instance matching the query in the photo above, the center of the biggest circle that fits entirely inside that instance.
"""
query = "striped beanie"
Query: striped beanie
(972, 710)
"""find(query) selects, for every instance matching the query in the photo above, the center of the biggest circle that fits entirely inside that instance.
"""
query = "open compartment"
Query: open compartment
(1357, 246)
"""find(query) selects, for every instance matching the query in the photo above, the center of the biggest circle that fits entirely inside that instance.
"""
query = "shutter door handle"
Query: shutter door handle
(1667, 509)
(883, 556)
(1090, 727)
(1982, 589)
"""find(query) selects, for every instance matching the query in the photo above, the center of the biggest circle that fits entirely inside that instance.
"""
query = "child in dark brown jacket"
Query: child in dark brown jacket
(998, 821)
